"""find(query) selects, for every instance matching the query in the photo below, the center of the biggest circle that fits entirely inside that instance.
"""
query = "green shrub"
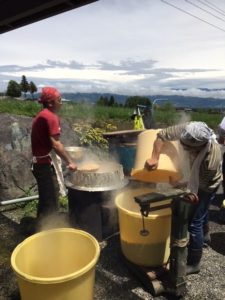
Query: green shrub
(30, 209)
(91, 136)
(63, 203)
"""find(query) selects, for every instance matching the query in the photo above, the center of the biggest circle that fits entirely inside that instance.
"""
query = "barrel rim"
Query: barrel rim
(59, 279)
(137, 215)
(117, 186)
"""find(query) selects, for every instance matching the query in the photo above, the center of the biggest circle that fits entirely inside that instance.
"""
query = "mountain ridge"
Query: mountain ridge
(176, 100)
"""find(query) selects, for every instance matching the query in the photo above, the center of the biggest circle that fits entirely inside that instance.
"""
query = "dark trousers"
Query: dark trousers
(48, 189)
(223, 171)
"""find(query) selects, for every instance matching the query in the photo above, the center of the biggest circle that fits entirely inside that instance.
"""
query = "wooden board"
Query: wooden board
(122, 132)
(150, 277)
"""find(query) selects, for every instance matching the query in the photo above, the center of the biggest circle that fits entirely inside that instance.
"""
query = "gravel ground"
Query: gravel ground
(113, 279)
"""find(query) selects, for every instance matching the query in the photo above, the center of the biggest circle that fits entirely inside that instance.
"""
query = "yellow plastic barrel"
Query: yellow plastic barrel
(151, 250)
(57, 264)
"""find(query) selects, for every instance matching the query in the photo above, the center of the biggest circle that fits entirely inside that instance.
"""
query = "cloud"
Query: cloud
(142, 77)
(41, 67)
(146, 67)
(128, 65)
(70, 65)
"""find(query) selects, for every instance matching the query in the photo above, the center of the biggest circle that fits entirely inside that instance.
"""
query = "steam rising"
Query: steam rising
(53, 221)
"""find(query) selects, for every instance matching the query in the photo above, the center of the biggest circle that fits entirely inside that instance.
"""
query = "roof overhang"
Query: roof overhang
(15, 14)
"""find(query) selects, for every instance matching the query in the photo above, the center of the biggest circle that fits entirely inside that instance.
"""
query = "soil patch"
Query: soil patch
(113, 279)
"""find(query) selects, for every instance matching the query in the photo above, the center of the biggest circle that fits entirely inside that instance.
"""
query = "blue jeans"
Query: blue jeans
(199, 218)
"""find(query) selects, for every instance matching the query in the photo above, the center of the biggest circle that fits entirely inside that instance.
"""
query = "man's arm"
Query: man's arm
(152, 162)
(171, 133)
(61, 152)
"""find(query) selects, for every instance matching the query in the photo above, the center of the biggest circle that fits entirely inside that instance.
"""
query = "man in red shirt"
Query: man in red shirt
(45, 136)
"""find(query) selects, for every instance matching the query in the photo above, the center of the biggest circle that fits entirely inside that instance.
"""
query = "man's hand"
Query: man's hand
(72, 167)
(191, 197)
(151, 164)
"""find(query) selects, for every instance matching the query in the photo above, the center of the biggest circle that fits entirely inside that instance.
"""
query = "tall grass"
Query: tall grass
(166, 118)
(68, 110)
(94, 112)
(19, 107)
(211, 119)
(118, 115)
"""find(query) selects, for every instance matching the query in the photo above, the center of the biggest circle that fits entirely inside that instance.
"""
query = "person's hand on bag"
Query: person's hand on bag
(191, 197)
(151, 164)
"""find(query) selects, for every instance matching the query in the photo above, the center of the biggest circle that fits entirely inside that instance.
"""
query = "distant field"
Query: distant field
(119, 116)
(74, 111)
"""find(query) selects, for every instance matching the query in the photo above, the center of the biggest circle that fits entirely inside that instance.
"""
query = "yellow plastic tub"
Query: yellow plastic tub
(56, 264)
(151, 250)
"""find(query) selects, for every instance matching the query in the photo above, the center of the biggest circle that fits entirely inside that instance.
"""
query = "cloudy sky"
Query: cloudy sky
(132, 47)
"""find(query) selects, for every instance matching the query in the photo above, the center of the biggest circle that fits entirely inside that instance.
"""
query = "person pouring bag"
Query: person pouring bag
(221, 140)
(205, 177)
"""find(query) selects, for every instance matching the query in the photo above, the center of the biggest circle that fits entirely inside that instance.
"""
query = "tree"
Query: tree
(111, 101)
(133, 101)
(33, 89)
(103, 101)
(24, 85)
(13, 89)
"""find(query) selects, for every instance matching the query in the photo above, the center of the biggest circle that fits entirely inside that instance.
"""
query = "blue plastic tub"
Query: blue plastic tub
(126, 153)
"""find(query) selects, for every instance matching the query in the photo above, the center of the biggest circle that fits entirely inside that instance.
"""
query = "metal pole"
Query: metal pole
(154, 102)
(17, 200)
(153, 108)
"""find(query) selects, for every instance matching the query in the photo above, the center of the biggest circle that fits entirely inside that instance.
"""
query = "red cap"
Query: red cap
(49, 94)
